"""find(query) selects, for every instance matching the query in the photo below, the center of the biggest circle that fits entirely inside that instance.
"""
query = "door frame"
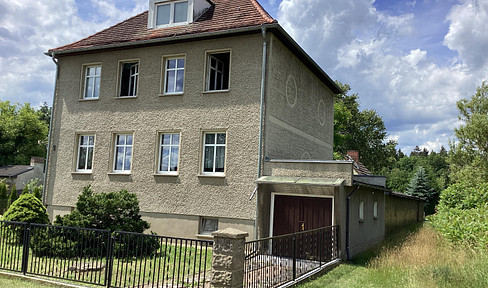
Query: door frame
(274, 194)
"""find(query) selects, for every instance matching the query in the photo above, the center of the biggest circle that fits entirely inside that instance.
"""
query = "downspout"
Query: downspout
(347, 220)
(261, 123)
(46, 165)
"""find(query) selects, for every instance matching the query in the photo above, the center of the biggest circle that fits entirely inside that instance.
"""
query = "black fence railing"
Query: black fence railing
(93, 256)
(274, 261)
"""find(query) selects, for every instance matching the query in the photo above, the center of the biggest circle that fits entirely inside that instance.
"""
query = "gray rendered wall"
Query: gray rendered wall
(299, 109)
(172, 202)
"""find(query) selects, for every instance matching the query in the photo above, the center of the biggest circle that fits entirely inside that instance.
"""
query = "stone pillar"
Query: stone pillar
(228, 258)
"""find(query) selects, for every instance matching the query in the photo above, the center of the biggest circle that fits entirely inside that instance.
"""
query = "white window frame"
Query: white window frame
(125, 146)
(86, 78)
(153, 12)
(170, 146)
(176, 69)
(214, 145)
(133, 78)
(87, 147)
(361, 211)
(209, 68)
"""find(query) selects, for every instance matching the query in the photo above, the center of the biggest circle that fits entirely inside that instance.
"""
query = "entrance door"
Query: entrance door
(294, 213)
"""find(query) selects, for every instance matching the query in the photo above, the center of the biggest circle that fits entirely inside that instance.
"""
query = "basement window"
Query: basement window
(208, 225)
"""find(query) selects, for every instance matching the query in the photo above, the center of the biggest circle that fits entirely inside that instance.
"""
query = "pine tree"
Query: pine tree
(3, 197)
(419, 186)
(13, 195)
(25, 190)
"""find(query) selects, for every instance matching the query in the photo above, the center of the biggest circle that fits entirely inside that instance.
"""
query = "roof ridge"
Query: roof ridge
(262, 12)
(101, 31)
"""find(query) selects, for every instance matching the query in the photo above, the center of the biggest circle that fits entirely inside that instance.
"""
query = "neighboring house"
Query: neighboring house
(22, 174)
(191, 105)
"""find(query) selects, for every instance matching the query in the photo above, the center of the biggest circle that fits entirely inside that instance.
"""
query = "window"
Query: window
(375, 210)
(171, 13)
(218, 71)
(208, 225)
(174, 75)
(86, 143)
(92, 82)
(122, 153)
(214, 153)
(361, 211)
(169, 146)
(129, 74)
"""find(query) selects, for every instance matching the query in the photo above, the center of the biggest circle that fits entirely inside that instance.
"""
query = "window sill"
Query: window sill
(212, 175)
(81, 172)
(204, 236)
(126, 97)
(166, 174)
(119, 173)
(88, 99)
(170, 94)
(216, 91)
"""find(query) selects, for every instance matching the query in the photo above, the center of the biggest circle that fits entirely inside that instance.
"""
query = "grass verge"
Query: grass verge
(416, 257)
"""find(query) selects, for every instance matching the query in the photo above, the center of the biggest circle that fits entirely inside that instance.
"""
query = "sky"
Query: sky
(410, 61)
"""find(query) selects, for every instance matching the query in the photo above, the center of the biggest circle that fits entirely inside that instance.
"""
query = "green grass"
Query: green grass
(15, 282)
(416, 257)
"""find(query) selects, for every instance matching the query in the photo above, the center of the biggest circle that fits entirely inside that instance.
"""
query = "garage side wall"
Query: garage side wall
(400, 211)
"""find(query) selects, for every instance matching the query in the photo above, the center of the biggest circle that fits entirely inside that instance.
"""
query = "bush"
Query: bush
(114, 211)
(27, 209)
(462, 214)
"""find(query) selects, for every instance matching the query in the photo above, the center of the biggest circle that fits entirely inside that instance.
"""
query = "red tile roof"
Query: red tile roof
(222, 15)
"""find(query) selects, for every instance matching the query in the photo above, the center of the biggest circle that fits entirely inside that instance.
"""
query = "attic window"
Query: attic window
(171, 13)
(167, 13)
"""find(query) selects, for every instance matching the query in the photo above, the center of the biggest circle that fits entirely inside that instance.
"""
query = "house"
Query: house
(20, 175)
(211, 113)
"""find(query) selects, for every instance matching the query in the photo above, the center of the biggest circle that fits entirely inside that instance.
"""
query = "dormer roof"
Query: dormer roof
(222, 15)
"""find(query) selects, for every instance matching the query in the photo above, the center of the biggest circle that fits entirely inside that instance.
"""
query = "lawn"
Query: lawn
(15, 282)
(416, 257)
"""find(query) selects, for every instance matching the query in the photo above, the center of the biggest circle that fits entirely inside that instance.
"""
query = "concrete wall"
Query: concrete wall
(401, 211)
(370, 231)
(179, 200)
(299, 109)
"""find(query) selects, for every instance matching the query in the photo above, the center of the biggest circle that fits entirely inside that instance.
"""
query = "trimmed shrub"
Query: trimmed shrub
(27, 209)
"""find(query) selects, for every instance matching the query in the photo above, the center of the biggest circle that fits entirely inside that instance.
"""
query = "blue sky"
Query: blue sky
(410, 60)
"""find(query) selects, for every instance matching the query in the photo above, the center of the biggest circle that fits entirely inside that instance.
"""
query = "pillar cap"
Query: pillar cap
(230, 233)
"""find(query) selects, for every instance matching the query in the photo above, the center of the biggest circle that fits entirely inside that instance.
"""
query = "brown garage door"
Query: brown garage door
(295, 214)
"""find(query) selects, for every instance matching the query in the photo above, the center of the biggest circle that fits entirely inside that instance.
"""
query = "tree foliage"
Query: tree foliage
(469, 154)
(361, 130)
(419, 186)
(12, 196)
(3, 197)
(21, 132)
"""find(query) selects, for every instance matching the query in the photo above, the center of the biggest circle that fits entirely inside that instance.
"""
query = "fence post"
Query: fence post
(294, 253)
(228, 258)
(110, 258)
(25, 247)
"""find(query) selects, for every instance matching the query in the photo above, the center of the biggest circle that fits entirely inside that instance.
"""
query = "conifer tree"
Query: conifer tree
(3, 197)
(419, 186)
(13, 195)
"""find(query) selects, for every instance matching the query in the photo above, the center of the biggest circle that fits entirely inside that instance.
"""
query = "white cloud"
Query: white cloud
(359, 45)
(467, 32)
(28, 29)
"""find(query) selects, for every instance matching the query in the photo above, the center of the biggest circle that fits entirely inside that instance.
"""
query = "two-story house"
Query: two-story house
(191, 105)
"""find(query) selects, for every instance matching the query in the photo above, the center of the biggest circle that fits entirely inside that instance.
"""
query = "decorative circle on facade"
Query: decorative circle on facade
(321, 112)
(291, 91)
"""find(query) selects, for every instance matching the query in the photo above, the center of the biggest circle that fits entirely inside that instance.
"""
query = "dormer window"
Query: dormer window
(167, 13)
(171, 13)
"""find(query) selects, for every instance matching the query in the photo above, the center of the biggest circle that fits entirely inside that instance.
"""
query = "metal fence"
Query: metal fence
(98, 257)
(274, 261)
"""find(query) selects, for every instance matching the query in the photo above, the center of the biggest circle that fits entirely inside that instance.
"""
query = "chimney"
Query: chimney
(354, 154)
(36, 160)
